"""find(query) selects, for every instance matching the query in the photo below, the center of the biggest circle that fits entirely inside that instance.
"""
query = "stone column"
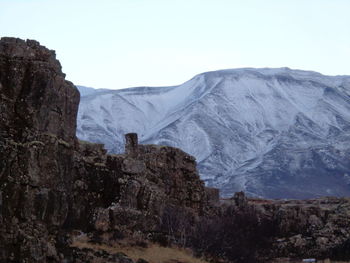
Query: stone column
(131, 144)
(240, 199)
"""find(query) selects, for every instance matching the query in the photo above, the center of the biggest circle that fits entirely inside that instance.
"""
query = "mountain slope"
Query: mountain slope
(270, 132)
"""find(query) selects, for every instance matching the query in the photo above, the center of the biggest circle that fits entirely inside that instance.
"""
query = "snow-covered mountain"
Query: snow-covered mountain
(277, 133)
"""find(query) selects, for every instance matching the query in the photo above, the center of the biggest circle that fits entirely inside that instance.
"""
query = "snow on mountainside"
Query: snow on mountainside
(275, 133)
(87, 90)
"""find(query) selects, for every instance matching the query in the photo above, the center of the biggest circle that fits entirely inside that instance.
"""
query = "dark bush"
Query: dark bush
(177, 223)
(141, 243)
(341, 252)
(117, 235)
(237, 236)
(161, 239)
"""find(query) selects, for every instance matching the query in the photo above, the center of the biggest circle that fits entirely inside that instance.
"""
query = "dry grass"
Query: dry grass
(157, 254)
(153, 253)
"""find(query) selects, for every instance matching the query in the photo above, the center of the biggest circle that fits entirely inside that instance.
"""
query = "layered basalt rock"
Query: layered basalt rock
(311, 228)
(128, 192)
(37, 139)
(35, 97)
(50, 183)
(314, 228)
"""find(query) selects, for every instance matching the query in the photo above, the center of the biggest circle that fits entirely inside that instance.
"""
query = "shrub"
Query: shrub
(239, 236)
(177, 224)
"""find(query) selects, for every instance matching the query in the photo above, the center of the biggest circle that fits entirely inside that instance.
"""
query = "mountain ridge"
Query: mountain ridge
(257, 130)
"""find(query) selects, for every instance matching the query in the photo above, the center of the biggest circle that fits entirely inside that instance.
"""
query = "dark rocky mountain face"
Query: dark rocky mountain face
(36, 98)
(55, 189)
(38, 114)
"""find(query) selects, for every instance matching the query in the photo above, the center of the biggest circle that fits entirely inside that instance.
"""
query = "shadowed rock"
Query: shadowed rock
(131, 144)
(35, 97)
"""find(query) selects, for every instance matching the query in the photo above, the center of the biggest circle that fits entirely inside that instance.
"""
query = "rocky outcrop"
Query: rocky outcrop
(37, 139)
(128, 192)
(310, 228)
(51, 183)
(35, 97)
(314, 228)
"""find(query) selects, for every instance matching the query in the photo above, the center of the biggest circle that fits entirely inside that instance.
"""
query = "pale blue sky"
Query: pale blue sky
(123, 43)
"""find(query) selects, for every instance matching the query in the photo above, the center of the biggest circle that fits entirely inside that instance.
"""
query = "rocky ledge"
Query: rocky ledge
(55, 189)
(315, 228)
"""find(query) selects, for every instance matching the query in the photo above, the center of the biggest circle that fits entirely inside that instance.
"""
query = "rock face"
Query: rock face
(313, 228)
(35, 97)
(37, 138)
(129, 192)
(50, 183)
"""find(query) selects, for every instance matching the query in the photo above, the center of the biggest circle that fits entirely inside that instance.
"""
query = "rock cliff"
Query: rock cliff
(37, 143)
(50, 183)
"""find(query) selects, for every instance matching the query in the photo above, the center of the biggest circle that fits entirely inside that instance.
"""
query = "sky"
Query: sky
(118, 44)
